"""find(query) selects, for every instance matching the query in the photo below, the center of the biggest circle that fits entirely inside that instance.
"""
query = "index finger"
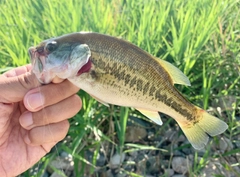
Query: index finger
(14, 84)
(49, 94)
(18, 71)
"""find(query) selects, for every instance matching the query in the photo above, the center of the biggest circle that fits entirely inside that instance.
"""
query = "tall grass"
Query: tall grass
(200, 37)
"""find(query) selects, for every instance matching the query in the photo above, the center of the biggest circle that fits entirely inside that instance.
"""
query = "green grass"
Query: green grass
(201, 37)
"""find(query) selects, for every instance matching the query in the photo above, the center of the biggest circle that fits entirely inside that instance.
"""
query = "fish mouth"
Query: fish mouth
(65, 65)
(36, 59)
(38, 64)
(85, 68)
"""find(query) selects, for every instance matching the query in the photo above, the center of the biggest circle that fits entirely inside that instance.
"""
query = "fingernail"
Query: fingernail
(26, 120)
(35, 100)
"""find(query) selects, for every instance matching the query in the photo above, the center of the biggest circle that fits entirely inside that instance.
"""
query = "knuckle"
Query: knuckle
(54, 93)
(28, 81)
(33, 133)
(42, 117)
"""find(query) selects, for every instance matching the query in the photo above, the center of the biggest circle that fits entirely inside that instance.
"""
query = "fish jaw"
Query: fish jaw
(61, 64)
(39, 66)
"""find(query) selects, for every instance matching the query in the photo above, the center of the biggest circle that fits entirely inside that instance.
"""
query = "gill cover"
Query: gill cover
(64, 62)
(78, 58)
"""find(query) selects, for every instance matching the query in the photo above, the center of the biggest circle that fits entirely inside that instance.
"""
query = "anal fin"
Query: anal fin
(153, 115)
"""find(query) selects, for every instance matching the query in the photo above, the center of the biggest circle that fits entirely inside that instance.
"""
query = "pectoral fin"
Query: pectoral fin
(176, 74)
(153, 115)
(100, 101)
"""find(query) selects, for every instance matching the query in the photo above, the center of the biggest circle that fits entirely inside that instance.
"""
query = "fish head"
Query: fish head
(60, 57)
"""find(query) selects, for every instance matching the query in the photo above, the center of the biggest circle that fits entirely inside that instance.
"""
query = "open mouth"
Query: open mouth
(35, 59)
(39, 64)
(85, 68)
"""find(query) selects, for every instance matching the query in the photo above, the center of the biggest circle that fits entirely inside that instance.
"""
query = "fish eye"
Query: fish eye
(51, 46)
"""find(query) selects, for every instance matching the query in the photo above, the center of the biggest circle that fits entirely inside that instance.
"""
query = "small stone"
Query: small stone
(100, 158)
(237, 143)
(178, 176)
(134, 134)
(45, 174)
(178, 153)
(214, 168)
(65, 155)
(209, 170)
(151, 135)
(133, 153)
(116, 160)
(200, 152)
(141, 166)
(225, 144)
(225, 102)
(164, 163)
(55, 174)
(60, 163)
(137, 121)
(187, 151)
(153, 165)
(169, 134)
(129, 166)
(237, 169)
(108, 174)
(192, 159)
(181, 138)
(169, 172)
(121, 174)
(180, 165)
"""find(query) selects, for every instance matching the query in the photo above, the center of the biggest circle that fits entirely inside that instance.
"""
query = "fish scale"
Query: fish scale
(158, 88)
(120, 73)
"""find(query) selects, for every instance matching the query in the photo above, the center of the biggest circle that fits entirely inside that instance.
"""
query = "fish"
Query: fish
(115, 71)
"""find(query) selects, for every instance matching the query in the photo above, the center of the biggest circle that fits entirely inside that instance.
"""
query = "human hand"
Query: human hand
(33, 118)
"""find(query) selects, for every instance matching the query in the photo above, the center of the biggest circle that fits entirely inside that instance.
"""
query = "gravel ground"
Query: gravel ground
(178, 160)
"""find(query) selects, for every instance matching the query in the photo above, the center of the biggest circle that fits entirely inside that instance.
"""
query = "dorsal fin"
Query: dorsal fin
(176, 74)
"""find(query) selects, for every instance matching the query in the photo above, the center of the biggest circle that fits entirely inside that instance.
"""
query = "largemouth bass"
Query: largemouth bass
(114, 71)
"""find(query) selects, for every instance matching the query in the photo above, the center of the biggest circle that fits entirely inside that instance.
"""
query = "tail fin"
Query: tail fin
(198, 134)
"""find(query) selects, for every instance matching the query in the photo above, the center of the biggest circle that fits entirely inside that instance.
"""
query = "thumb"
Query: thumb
(15, 83)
